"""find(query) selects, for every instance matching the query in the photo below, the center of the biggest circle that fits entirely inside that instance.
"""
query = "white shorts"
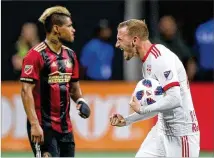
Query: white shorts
(158, 144)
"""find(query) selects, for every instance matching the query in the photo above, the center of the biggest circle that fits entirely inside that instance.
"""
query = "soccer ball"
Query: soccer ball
(148, 91)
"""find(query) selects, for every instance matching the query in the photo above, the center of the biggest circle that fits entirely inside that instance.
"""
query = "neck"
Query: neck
(54, 43)
(144, 48)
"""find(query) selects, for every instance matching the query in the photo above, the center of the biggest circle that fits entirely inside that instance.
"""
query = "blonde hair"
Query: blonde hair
(136, 27)
(53, 10)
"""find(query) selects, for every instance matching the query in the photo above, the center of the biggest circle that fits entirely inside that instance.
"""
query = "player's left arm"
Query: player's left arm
(170, 101)
(75, 92)
(165, 71)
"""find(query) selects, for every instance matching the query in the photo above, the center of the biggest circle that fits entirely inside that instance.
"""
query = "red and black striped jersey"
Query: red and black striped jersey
(52, 75)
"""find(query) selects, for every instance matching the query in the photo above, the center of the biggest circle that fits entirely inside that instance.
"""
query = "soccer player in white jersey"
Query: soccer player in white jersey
(176, 133)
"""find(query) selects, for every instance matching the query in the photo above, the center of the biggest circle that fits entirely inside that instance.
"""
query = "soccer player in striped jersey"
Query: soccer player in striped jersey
(49, 77)
(176, 133)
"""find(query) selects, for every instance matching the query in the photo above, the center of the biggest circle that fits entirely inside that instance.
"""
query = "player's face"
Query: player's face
(124, 42)
(66, 31)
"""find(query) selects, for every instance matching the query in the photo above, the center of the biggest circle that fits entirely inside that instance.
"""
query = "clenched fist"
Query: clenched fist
(117, 120)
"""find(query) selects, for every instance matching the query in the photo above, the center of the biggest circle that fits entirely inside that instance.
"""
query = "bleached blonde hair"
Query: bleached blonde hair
(53, 10)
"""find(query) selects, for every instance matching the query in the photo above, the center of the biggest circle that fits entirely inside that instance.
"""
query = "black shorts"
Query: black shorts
(55, 144)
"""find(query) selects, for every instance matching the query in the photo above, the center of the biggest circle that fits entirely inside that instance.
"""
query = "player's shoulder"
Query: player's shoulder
(34, 52)
(162, 56)
(161, 48)
(39, 47)
(161, 52)
(155, 51)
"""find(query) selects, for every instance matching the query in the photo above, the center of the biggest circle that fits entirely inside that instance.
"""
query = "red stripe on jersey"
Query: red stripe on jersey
(55, 108)
(147, 54)
(183, 146)
(172, 84)
(154, 53)
(187, 147)
(156, 50)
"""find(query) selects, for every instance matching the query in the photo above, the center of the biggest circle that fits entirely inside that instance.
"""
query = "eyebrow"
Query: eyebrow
(69, 24)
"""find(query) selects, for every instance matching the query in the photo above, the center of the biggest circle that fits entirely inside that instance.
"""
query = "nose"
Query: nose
(73, 30)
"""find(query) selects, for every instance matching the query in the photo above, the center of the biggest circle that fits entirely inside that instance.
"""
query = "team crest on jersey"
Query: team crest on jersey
(68, 63)
(28, 69)
(149, 69)
(168, 75)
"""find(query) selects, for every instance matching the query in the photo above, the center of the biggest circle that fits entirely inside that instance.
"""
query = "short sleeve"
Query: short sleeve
(31, 67)
(165, 72)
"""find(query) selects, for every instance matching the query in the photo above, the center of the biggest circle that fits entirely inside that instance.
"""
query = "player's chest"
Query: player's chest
(148, 71)
(57, 64)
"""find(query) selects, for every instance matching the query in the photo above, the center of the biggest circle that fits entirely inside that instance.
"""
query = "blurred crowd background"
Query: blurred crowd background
(186, 27)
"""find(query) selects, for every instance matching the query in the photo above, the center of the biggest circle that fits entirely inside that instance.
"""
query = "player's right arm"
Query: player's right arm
(120, 121)
(28, 101)
(134, 117)
(30, 74)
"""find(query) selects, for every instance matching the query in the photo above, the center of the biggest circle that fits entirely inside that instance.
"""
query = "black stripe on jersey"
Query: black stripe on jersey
(45, 91)
(63, 95)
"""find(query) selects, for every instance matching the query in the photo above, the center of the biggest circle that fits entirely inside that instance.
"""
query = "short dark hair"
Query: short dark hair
(54, 19)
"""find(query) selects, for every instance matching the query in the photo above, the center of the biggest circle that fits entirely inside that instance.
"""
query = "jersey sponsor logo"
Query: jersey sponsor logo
(168, 75)
(149, 69)
(28, 69)
(58, 77)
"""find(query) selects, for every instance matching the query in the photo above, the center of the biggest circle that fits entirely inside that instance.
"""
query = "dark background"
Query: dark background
(85, 15)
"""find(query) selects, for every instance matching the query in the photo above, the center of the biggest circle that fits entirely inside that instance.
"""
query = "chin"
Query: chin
(72, 39)
(127, 58)
(64, 41)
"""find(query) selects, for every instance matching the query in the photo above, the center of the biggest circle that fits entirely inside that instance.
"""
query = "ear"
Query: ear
(135, 39)
(56, 29)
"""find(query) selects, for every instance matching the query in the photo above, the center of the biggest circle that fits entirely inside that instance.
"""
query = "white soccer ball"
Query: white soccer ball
(148, 91)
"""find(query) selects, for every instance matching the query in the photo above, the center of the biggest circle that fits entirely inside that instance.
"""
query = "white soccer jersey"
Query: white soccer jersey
(163, 65)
